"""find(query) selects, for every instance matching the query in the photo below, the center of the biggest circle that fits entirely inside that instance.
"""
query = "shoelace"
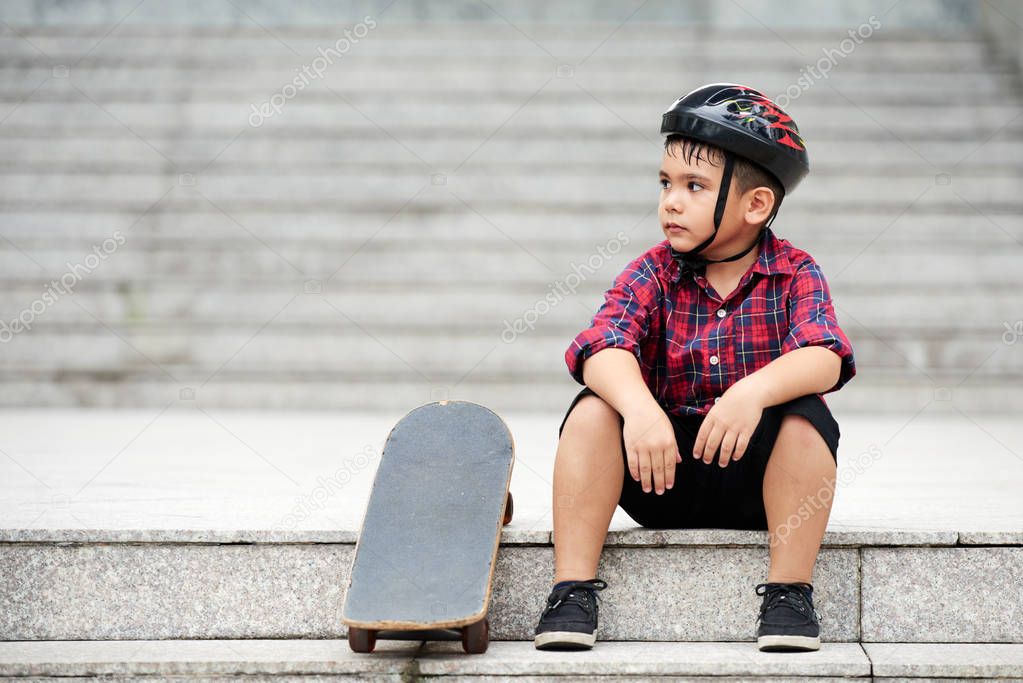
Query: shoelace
(787, 595)
(571, 595)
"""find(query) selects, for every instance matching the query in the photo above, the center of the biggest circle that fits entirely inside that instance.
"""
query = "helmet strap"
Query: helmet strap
(687, 260)
(719, 208)
(690, 259)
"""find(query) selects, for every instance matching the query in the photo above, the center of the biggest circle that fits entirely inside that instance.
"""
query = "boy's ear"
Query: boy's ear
(759, 202)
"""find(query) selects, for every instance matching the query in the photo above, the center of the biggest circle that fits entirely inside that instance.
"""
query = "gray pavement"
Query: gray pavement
(398, 660)
(185, 472)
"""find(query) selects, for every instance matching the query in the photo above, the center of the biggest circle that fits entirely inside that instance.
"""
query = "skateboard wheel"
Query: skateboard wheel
(361, 639)
(476, 637)
(509, 508)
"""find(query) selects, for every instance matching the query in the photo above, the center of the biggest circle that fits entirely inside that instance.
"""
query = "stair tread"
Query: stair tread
(883, 499)
(518, 658)
(435, 658)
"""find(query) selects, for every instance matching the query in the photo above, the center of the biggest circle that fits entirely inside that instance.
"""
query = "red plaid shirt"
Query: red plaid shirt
(692, 345)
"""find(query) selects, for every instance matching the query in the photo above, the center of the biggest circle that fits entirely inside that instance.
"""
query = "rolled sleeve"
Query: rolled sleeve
(812, 320)
(622, 321)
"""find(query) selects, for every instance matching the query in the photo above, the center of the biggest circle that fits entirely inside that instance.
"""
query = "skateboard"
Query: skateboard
(424, 561)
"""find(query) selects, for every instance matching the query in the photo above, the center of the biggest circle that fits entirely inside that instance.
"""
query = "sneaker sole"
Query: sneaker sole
(790, 643)
(564, 640)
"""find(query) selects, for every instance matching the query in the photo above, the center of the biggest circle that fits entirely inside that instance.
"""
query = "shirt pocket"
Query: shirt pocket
(760, 329)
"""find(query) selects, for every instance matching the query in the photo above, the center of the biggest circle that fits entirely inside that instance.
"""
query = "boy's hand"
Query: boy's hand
(650, 447)
(729, 424)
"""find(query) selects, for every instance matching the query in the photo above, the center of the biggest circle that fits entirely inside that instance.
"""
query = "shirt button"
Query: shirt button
(713, 360)
(721, 313)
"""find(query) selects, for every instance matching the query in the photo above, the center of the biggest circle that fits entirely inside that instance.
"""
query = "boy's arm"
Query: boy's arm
(817, 357)
(606, 356)
(808, 370)
(650, 447)
(622, 321)
(614, 375)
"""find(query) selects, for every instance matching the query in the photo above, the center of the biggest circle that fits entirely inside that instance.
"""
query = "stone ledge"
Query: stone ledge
(411, 659)
(200, 657)
(198, 591)
(107, 658)
(132, 591)
(635, 537)
(964, 594)
(945, 660)
(836, 538)
(646, 659)
(991, 537)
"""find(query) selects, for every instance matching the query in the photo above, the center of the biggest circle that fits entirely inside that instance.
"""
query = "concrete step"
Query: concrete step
(144, 525)
(578, 20)
(308, 148)
(478, 117)
(248, 92)
(190, 309)
(207, 228)
(553, 188)
(880, 587)
(252, 261)
(984, 196)
(348, 350)
(521, 57)
(239, 87)
(528, 60)
(231, 47)
(94, 153)
(147, 386)
(411, 661)
(401, 55)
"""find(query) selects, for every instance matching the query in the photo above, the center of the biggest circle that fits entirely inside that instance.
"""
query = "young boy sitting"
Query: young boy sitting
(703, 372)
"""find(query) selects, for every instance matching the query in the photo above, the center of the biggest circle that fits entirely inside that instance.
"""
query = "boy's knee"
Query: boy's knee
(593, 413)
(798, 428)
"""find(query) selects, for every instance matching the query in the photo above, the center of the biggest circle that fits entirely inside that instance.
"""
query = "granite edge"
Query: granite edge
(638, 537)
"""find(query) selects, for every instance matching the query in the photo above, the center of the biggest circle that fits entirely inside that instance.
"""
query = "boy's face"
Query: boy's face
(689, 193)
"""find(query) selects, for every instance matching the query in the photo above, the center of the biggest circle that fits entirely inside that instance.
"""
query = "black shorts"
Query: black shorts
(710, 496)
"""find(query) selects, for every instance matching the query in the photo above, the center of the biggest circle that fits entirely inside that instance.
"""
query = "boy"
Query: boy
(704, 370)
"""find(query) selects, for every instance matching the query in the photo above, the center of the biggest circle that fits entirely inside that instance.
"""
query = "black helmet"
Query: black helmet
(740, 121)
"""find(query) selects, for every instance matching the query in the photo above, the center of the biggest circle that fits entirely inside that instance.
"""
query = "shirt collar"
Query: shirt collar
(773, 256)
(772, 259)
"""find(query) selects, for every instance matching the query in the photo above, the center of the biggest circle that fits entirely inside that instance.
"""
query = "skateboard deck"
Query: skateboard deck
(424, 561)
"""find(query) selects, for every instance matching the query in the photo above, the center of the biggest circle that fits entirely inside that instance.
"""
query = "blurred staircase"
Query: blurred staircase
(370, 245)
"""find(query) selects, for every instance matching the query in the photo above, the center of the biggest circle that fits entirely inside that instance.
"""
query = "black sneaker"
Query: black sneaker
(787, 618)
(569, 620)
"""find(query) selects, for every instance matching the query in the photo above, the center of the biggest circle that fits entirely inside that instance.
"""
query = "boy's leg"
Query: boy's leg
(798, 491)
(588, 475)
